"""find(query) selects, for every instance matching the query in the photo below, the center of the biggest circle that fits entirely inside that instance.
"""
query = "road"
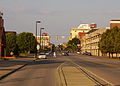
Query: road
(38, 73)
(106, 69)
(44, 72)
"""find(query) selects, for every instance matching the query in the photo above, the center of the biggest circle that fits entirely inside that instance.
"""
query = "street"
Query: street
(39, 73)
(107, 69)
(45, 72)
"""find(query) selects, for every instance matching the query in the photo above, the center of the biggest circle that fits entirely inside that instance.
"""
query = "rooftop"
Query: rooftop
(116, 20)
(91, 31)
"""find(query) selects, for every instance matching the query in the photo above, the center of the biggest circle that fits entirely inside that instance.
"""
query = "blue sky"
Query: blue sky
(57, 16)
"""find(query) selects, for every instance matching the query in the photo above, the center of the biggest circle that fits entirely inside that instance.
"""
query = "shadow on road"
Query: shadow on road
(45, 62)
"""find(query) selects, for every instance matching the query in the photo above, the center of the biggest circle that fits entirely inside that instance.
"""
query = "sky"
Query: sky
(57, 16)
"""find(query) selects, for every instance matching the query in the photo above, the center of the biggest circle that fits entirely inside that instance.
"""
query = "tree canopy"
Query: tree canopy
(11, 45)
(74, 41)
(110, 41)
(72, 44)
(26, 42)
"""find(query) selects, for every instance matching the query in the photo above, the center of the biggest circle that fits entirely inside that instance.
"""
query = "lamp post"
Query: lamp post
(40, 36)
(36, 36)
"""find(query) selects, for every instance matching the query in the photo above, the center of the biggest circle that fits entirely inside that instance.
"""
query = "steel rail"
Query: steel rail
(90, 76)
(95, 79)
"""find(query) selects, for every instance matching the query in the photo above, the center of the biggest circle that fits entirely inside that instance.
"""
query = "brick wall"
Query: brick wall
(2, 37)
(112, 25)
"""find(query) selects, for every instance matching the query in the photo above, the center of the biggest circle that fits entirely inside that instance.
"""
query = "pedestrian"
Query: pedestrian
(54, 54)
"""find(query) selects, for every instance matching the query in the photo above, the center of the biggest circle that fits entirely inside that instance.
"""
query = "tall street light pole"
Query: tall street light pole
(36, 37)
(40, 36)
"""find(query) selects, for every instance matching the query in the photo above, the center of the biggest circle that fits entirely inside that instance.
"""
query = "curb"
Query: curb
(14, 70)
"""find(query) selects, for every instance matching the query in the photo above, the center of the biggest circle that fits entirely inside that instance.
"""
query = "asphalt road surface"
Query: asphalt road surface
(43, 72)
(39, 73)
(105, 69)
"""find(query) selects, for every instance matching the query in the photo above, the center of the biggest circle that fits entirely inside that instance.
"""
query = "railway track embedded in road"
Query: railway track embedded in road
(94, 78)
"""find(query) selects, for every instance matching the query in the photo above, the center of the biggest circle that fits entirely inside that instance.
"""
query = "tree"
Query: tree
(26, 42)
(110, 41)
(72, 44)
(11, 45)
(104, 43)
(116, 39)
(74, 41)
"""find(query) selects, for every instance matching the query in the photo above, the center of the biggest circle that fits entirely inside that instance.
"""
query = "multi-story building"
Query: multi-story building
(81, 30)
(91, 40)
(114, 23)
(45, 40)
(2, 37)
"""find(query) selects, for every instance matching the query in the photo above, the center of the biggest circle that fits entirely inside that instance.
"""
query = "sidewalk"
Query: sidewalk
(9, 66)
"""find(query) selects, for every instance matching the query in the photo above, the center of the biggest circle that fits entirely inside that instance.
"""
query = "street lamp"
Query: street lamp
(40, 36)
(36, 26)
(36, 36)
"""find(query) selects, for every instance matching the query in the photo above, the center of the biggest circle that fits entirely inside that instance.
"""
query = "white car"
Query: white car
(41, 56)
(48, 53)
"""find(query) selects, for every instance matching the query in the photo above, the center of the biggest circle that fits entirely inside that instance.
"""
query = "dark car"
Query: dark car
(87, 53)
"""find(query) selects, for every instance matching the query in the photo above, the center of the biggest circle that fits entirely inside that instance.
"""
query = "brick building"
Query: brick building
(114, 23)
(2, 37)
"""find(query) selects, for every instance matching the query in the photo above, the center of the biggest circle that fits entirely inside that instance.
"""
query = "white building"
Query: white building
(91, 40)
(81, 30)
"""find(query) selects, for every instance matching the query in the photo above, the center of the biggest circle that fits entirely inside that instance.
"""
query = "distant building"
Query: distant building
(114, 23)
(80, 35)
(2, 36)
(90, 41)
(45, 40)
(81, 30)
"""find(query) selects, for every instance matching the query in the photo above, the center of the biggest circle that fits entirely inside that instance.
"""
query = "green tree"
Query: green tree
(72, 44)
(26, 42)
(74, 41)
(11, 45)
(104, 44)
(115, 33)
(110, 41)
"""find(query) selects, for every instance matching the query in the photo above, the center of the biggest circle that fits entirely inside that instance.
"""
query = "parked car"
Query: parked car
(87, 53)
(48, 53)
(41, 56)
